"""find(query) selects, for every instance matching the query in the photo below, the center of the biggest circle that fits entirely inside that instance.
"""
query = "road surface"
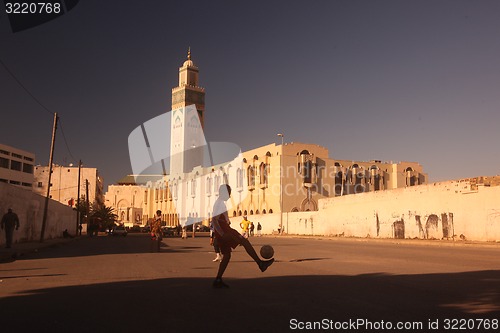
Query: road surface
(115, 284)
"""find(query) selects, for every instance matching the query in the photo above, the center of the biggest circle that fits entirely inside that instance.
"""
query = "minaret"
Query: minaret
(187, 139)
(188, 92)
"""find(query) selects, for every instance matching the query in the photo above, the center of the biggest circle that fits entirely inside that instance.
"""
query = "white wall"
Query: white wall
(425, 211)
(474, 214)
(29, 208)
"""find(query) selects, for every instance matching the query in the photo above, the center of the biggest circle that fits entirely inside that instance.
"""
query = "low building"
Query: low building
(16, 166)
(64, 184)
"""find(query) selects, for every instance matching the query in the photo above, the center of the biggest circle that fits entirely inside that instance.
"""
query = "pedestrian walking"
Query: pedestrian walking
(9, 222)
(156, 226)
(156, 235)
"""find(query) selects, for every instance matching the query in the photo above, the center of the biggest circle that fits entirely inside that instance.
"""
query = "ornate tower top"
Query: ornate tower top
(188, 113)
(188, 62)
(188, 92)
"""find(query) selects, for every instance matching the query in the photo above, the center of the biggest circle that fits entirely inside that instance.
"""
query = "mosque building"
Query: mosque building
(271, 179)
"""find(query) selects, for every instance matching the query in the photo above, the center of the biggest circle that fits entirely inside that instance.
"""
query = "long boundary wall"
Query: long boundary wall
(466, 209)
(29, 208)
(459, 209)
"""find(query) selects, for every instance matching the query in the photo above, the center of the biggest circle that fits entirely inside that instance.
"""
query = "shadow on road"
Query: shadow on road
(266, 304)
(102, 245)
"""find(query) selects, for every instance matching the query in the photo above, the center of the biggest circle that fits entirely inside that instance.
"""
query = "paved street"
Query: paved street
(114, 284)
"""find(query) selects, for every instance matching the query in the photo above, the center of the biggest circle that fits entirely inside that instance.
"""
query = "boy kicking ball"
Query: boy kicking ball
(229, 238)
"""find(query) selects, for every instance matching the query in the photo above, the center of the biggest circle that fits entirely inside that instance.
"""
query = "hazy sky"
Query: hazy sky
(386, 80)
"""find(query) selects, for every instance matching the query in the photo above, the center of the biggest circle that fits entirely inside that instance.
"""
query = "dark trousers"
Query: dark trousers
(216, 245)
(9, 233)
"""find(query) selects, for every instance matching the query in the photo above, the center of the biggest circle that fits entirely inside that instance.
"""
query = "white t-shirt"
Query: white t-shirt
(219, 208)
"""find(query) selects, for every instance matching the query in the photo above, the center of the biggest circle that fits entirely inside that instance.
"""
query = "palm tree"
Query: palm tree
(105, 214)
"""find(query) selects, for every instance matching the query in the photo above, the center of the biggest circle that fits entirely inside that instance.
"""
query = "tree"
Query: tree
(105, 214)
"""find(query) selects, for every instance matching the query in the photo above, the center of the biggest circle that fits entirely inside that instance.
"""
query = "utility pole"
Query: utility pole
(89, 223)
(281, 182)
(87, 196)
(78, 199)
(51, 158)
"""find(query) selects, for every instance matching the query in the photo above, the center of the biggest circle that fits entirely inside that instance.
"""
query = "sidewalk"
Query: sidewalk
(20, 249)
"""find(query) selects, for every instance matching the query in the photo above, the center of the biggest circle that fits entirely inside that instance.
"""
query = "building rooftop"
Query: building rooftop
(138, 179)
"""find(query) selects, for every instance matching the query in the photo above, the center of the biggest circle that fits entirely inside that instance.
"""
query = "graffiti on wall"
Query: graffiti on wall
(378, 225)
(430, 229)
(399, 229)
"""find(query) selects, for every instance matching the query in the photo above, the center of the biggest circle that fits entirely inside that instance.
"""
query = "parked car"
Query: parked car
(168, 231)
(135, 228)
(118, 231)
(202, 228)
(146, 229)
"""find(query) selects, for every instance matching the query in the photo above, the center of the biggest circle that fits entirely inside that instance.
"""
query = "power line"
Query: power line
(39, 103)
(25, 89)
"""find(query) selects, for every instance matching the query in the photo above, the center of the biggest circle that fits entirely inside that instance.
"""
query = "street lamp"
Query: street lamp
(281, 183)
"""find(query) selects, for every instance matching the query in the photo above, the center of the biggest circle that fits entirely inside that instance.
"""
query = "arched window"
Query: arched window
(307, 167)
(339, 180)
(193, 187)
(239, 178)
(263, 174)
(375, 177)
(358, 178)
(208, 184)
(251, 177)
(411, 179)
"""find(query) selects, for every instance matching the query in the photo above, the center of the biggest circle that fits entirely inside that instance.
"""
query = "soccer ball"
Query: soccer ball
(267, 252)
